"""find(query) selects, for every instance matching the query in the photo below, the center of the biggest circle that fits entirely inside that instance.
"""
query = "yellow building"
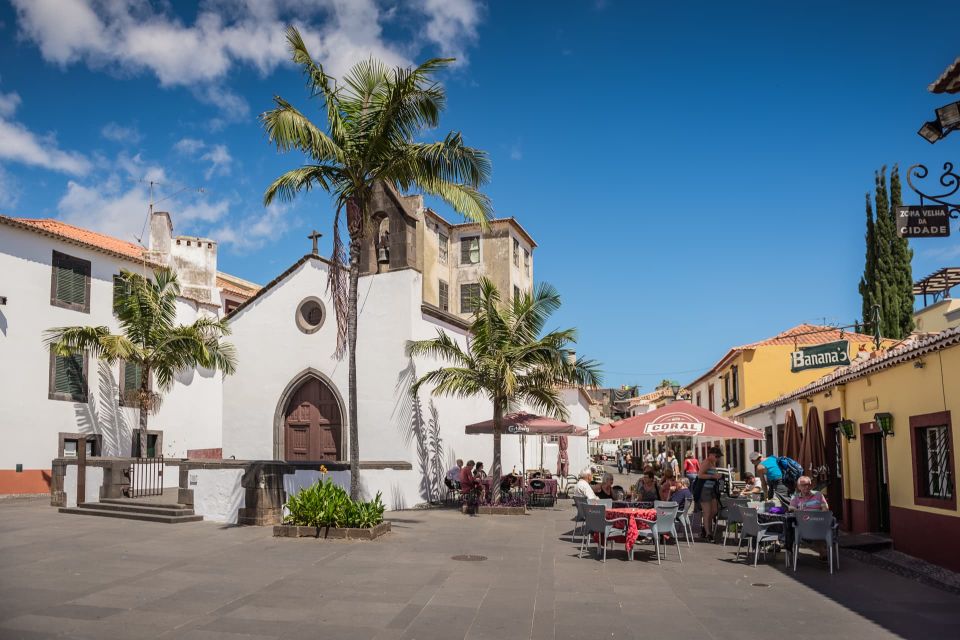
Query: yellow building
(903, 481)
(755, 373)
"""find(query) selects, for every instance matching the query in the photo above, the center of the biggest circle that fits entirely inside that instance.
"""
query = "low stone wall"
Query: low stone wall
(333, 533)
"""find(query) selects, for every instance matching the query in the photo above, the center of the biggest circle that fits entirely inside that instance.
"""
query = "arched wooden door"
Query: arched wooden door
(312, 424)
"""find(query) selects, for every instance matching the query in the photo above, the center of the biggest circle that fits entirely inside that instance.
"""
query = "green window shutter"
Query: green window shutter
(131, 383)
(71, 277)
(69, 378)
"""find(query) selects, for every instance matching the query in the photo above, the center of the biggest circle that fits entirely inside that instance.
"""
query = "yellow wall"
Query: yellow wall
(938, 317)
(903, 391)
(765, 374)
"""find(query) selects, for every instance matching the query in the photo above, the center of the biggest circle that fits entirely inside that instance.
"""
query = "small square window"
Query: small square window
(470, 250)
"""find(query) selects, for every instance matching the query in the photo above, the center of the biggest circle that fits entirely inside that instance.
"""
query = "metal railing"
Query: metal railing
(146, 477)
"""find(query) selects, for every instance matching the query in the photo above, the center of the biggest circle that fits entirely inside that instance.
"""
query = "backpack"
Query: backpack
(791, 470)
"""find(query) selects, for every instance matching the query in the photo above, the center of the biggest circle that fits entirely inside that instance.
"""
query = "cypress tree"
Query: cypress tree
(886, 277)
(868, 281)
(902, 258)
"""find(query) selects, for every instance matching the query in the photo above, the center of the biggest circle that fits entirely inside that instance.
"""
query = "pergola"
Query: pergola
(937, 284)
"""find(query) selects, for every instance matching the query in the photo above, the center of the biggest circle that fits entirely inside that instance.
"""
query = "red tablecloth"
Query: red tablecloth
(632, 514)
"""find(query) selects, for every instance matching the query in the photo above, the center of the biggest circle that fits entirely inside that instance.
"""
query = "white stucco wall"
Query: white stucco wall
(29, 421)
(91, 490)
(771, 417)
(217, 494)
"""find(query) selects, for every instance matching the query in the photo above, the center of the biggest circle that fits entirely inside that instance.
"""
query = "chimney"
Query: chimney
(161, 233)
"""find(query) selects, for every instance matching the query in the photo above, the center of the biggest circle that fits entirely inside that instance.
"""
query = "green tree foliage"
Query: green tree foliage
(370, 121)
(902, 259)
(149, 338)
(868, 281)
(508, 359)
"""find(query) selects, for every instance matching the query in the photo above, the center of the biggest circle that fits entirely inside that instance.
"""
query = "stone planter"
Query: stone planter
(333, 533)
(492, 510)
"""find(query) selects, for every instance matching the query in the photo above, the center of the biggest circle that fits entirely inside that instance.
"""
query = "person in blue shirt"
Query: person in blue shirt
(771, 477)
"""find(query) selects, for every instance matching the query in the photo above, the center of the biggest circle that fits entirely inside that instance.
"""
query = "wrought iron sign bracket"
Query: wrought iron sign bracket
(948, 180)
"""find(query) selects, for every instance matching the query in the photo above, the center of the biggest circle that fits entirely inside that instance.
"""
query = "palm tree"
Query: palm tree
(146, 311)
(507, 359)
(367, 137)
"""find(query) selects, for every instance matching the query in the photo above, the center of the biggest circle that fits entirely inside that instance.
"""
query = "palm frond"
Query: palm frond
(287, 186)
(288, 128)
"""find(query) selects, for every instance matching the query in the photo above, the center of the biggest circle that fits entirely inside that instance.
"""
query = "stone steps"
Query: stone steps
(135, 510)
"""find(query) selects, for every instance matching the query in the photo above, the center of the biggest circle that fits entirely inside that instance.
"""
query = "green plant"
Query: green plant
(326, 504)
(367, 134)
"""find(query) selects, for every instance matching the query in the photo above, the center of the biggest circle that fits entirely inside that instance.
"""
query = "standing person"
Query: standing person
(661, 459)
(709, 493)
(691, 467)
(467, 482)
(629, 462)
(648, 458)
(771, 477)
(671, 463)
(619, 461)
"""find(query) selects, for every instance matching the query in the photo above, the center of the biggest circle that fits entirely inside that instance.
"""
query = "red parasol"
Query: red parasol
(679, 419)
(791, 445)
(523, 423)
(812, 451)
(563, 458)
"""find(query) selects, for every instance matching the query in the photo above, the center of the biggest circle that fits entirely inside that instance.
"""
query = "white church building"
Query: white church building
(288, 399)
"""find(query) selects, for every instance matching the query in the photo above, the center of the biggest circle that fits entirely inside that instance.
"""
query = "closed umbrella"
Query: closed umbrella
(563, 458)
(813, 456)
(791, 437)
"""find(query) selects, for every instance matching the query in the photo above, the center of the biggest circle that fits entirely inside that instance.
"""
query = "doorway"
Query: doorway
(875, 492)
(835, 470)
(312, 423)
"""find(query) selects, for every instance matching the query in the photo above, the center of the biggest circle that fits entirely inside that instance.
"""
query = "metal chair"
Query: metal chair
(536, 494)
(596, 522)
(683, 517)
(568, 482)
(725, 514)
(665, 524)
(578, 519)
(756, 533)
(816, 526)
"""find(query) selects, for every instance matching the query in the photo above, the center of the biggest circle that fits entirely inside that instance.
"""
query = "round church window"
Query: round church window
(310, 315)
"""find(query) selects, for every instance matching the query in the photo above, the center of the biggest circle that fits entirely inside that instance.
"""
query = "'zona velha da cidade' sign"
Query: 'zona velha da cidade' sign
(818, 356)
(923, 221)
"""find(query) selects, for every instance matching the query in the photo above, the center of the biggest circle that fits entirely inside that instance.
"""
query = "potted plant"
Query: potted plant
(325, 510)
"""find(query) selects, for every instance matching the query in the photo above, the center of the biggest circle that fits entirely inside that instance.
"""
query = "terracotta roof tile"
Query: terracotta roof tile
(809, 334)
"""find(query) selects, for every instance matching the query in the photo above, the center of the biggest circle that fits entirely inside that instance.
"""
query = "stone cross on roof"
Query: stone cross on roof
(315, 236)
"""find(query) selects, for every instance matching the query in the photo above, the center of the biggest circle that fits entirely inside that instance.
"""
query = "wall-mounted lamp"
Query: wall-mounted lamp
(676, 390)
(848, 428)
(885, 422)
(919, 364)
(3, 300)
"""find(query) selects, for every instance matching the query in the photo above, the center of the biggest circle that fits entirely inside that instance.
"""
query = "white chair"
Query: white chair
(665, 524)
(816, 526)
(683, 517)
(596, 522)
(756, 534)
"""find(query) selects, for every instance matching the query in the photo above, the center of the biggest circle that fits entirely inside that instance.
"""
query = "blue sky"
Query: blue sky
(694, 175)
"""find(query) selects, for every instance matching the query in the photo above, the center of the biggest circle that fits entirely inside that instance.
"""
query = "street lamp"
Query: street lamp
(676, 390)
(948, 119)
(885, 422)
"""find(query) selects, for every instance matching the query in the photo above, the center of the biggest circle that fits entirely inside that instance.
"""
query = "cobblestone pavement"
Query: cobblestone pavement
(84, 577)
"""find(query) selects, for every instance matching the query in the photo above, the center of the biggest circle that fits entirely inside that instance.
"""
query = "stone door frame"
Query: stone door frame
(279, 417)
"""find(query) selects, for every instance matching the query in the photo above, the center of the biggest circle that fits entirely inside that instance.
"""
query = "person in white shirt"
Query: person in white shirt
(583, 489)
(453, 475)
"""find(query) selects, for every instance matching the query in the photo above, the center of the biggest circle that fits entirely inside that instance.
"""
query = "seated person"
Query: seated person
(583, 489)
(806, 499)
(647, 489)
(453, 475)
(478, 471)
(668, 485)
(753, 486)
(682, 495)
(605, 492)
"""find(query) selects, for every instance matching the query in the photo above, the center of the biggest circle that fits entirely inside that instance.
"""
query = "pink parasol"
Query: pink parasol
(523, 423)
(679, 418)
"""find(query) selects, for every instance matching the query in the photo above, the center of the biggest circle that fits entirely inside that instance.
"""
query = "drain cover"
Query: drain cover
(759, 584)
(469, 558)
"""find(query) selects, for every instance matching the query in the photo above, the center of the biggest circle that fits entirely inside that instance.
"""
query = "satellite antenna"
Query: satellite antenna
(152, 184)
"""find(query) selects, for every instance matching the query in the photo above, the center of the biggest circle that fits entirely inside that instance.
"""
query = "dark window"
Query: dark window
(735, 385)
(516, 292)
(130, 383)
(710, 394)
(68, 377)
(70, 282)
(70, 444)
(470, 250)
(698, 398)
(154, 443)
(516, 252)
(934, 463)
(526, 261)
(726, 391)
(444, 296)
(310, 315)
(469, 297)
(443, 244)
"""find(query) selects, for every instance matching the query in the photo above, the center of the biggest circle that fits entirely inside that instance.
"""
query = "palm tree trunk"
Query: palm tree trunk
(495, 468)
(144, 399)
(355, 242)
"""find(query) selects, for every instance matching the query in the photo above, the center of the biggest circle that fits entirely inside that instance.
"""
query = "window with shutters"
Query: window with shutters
(70, 282)
(68, 377)
(516, 292)
(470, 250)
(469, 297)
(526, 261)
(443, 246)
(130, 383)
(516, 252)
(444, 296)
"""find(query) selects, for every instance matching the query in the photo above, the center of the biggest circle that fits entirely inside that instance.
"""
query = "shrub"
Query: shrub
(325, 504)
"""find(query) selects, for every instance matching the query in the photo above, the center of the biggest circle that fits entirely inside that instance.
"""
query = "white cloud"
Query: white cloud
(255, 230)
(19, 144)
(106, 207)
(119, 133)
(217, 155)
(136, 36)
(9, 190)
(220, 160)
(516, 152)
(8, 104)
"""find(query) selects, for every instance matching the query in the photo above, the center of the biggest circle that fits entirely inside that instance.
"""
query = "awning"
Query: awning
(522, 423)
(679, 418)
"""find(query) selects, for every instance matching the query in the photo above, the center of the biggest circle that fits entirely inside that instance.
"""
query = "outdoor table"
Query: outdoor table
(789, 520)
(633, 516)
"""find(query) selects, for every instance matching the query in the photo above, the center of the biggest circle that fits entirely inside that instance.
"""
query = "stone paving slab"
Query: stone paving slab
(104, 578)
